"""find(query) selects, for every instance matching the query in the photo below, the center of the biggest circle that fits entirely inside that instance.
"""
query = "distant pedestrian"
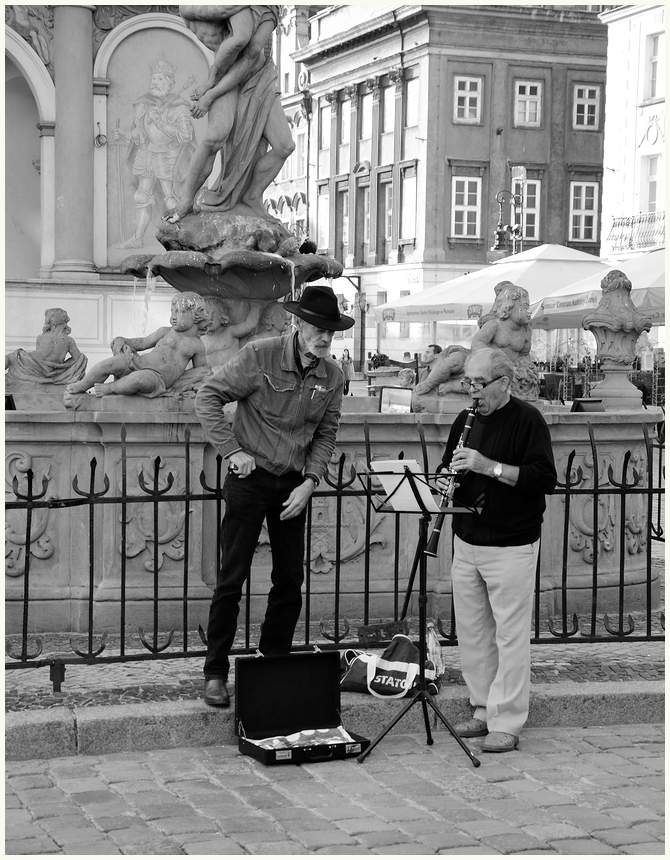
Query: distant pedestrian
(347, 366)
(428, 358)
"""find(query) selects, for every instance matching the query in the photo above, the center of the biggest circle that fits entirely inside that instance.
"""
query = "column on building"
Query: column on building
(73, 73)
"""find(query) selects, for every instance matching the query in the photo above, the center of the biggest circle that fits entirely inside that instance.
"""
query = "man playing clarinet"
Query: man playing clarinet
(502, 476)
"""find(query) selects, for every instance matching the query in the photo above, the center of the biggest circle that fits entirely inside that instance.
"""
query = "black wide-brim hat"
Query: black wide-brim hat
(318, 306)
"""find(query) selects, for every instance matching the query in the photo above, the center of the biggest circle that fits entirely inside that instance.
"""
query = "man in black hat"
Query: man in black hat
(288, 391)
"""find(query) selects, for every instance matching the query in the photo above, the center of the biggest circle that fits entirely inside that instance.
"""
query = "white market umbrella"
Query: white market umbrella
(539, 270)
(565, 308)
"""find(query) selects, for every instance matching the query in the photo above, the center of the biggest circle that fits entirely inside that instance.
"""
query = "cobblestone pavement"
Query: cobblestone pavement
(578, 791)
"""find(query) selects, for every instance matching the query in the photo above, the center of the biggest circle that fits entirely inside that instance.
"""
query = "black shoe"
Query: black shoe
(216, 693)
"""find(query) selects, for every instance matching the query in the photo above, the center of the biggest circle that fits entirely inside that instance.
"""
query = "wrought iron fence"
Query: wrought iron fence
(644, 488)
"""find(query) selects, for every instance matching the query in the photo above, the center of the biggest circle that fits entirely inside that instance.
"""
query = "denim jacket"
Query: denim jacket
(287, 422)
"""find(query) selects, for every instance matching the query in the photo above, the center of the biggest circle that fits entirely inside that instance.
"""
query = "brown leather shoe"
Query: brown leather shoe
(216, 693)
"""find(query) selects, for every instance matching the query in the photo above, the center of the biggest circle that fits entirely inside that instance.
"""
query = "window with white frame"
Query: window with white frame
(385, 221)
(655, 66)
(300, 150)
(411, 102)
(528, 103)
(583, 211)
(467, 99)
(322, 217)
(324, 127)
(466, 196)
(365, 128)
(408, 203)
(653, 181)
(586, 107)
(529, 192)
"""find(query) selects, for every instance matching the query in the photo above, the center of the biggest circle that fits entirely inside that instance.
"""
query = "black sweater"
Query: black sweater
(516, 435)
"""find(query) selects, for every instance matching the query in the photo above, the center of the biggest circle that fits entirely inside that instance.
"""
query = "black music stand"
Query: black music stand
(422, 695)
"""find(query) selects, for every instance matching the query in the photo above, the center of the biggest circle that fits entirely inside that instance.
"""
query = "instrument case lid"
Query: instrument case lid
(287, 694)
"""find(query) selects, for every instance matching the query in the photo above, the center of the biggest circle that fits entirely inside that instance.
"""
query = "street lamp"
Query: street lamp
(515, 230)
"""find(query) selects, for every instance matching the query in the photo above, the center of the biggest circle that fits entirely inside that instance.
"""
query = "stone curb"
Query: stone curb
(100, 730)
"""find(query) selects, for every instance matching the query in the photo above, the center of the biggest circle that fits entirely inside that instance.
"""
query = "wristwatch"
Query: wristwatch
(497, 470)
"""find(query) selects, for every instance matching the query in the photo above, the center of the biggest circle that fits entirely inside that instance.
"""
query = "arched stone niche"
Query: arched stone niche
(122, 75)
(39, 248)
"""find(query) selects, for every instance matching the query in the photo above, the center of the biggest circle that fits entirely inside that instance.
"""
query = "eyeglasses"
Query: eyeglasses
(468, 384)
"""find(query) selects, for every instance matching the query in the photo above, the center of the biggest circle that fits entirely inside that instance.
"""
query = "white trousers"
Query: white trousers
(493, 602)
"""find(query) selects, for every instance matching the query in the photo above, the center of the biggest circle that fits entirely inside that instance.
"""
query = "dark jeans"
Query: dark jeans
(249, 501)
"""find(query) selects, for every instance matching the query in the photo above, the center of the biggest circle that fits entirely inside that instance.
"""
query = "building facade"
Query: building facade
(634, 174)
(431, 127)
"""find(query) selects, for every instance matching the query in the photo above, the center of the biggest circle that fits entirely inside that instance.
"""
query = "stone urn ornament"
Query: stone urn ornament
(616, 325)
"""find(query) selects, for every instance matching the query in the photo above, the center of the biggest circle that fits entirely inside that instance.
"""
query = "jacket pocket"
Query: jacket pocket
(277, 396)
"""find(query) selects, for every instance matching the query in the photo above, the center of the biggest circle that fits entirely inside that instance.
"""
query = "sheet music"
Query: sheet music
(398, 488)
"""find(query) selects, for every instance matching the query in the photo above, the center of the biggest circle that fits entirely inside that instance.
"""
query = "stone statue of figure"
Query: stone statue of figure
(171, 347)
(232, 322)
(273, 322)
(55, 359)
(507, 327)
(446, 373)
(245, 115)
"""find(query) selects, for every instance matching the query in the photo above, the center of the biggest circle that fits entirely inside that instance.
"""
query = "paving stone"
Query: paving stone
(404, 849)
(619, 836)
(43, 845)
(115, 822)
(509, 843)
(379, 839)
(356, 826)
(51, 810)
(642, 848)
(37, 796)
(242, 823)
(549, 832)
(583, 846)
(18, 817)
(276, 848)
(80, 786)
(588, 819)
(185, 824)
(656, 828)
(633, 814)
(548, 798)
(74, 834)
(339, 850)
(438, 841)
(221, 846)
(164, 810)
(479, 829)
(23, 831)
(320, 839)
(480, 850)
(251, 838)
(30, 780)
(87, 849)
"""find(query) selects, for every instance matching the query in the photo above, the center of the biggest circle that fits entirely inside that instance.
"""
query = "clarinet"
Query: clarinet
(447, 495)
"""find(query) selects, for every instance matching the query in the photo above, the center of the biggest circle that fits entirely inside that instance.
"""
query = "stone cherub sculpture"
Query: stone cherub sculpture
(446, 372)
(56, 358)
(227, 334)
(171, 347)
(507, 327)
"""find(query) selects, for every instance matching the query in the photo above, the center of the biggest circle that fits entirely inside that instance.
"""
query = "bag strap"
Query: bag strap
(412, 672)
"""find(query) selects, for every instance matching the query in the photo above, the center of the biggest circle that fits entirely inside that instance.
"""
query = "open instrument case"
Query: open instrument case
(276, 697)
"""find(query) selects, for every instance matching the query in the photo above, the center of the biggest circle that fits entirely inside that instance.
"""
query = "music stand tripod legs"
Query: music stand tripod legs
(422, 695)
